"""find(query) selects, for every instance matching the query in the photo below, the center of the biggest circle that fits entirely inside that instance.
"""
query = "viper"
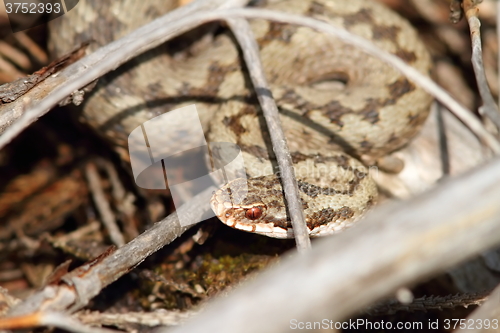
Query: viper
(340, 108)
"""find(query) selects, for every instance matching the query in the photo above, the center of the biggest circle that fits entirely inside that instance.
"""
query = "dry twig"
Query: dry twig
(102, 204)
(244, 35)
(151, 319)
(59, 320)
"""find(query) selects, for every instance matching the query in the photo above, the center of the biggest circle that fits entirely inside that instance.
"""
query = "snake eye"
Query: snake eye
(253, 213)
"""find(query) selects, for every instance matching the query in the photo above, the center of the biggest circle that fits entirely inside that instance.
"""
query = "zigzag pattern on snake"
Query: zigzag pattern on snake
(338, 105)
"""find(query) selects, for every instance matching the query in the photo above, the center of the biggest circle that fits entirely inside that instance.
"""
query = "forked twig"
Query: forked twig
(489, 108)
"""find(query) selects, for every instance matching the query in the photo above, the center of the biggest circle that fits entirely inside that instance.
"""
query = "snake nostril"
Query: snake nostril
(253, 213)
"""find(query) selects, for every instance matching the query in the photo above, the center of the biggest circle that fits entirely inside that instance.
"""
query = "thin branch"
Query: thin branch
(152, 319)
(443, 140)
(102, 204)
(489, 108)
(77, 234)
(421, 237)
(65, 322)
(59, 320)
(243, 33)
(118, 190)
(124, 200)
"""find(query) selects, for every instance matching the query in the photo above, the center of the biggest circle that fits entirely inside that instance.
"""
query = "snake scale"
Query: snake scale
(338, 105)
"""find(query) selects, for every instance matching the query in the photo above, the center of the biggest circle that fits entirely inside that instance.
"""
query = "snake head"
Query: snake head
(249, 205)
(257, 205)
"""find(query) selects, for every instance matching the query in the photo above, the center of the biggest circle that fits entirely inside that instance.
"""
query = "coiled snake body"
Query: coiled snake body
(338, 105)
